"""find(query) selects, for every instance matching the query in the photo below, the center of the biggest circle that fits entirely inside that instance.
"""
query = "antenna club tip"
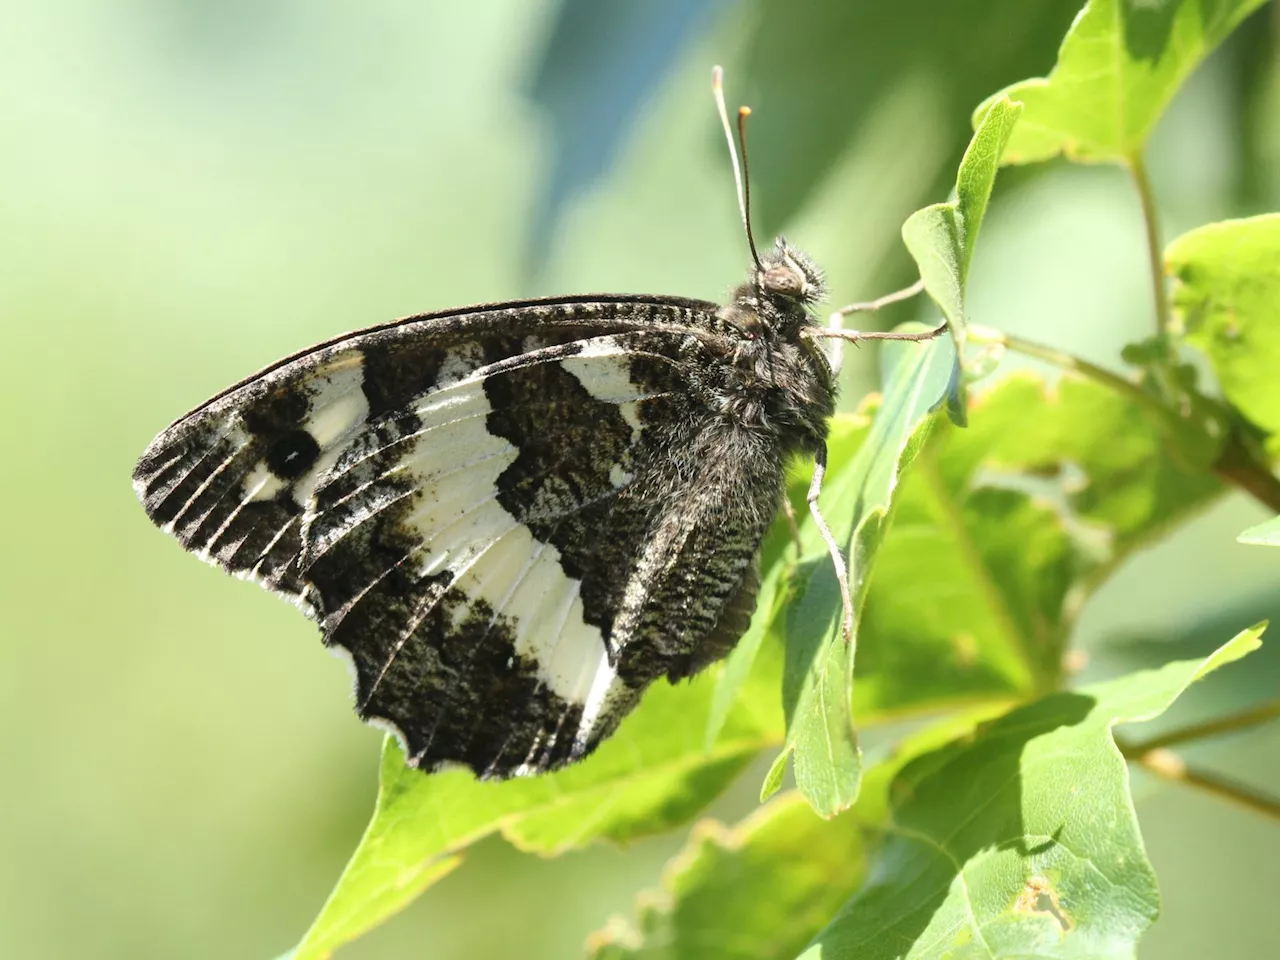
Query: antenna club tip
(717, 77)
(744, 111)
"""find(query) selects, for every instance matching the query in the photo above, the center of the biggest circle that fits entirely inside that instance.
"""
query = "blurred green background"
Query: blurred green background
(192, 189)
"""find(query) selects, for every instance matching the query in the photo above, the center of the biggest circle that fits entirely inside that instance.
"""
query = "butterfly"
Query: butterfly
(514, 517)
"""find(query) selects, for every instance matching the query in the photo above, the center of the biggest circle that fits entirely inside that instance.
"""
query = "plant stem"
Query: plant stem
(1138, 168)
(1241, 720)
(1240, 468)
(1169, 766)
(1235, 464)
(1067, 361)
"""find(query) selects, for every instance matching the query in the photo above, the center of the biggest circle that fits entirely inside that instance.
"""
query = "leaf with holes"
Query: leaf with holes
(1020, 841)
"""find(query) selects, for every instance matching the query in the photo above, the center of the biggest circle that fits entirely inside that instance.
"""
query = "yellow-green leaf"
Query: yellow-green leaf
(1119, 66)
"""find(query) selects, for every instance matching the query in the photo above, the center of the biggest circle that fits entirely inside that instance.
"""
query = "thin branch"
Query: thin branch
(1169, 766)
(1238, 466)
(1230, 723)
(1067, 361)
(1138, 168)
(1235, 464)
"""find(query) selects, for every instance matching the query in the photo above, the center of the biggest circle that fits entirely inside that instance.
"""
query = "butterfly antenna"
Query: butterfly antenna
(740, 180)
(743, 113)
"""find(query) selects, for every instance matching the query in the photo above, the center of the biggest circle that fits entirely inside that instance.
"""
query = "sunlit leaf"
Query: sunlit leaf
(765, 887)
(650, 776)
(1020, 841)
(820, 734)
(857, 495)
(874, 807)
(1222, 694)
(941, 237)
(755, 891)
(1265, 534)
(1228, 295)
(1118, 68)
(1001, 531)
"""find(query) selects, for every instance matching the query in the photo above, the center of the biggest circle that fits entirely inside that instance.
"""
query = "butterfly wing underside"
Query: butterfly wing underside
(489, 511)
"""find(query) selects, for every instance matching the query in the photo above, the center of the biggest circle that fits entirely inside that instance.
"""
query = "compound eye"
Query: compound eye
(784, 281)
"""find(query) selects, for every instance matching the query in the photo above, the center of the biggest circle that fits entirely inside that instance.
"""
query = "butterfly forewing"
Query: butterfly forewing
(510, 517)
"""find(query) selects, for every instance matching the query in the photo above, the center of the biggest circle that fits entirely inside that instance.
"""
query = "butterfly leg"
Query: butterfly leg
(871, 306)
(837, 558)
(836, 333)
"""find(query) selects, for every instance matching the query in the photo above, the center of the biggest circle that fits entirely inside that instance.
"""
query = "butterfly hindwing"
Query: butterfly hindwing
(512, 518)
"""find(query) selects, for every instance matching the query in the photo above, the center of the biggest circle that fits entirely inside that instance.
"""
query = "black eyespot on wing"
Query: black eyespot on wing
(293, 454)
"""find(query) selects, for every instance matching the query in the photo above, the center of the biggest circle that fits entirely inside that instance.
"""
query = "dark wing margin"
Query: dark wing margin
(478, 509)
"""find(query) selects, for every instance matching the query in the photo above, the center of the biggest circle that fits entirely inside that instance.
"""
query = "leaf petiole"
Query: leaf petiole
(1151, 223)
(1067, 361)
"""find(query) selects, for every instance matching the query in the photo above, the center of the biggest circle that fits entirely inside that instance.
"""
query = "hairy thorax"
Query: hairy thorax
(776, 383)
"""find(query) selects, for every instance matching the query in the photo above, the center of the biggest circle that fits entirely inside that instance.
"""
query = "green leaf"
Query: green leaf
(1222, 694)
(650, 776)
(1001, 531)
(858, 493)
(1119, 66)
(1265, 534)
(875, 802)
(765, 887)
(1228, 296)
(1196, 426)
(941, 237)
(1020, 841)
(756, 891)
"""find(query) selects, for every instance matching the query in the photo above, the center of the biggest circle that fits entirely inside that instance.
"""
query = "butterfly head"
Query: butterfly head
(774, 302)
(789, 275)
